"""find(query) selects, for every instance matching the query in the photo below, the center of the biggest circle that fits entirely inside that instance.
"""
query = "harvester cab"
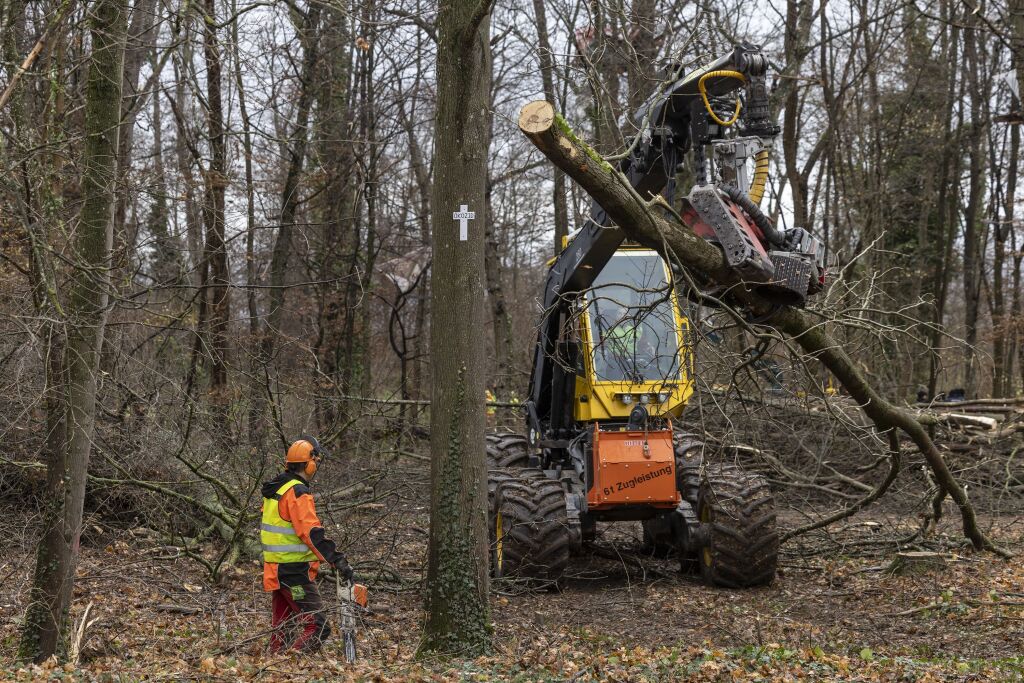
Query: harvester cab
(613, 364)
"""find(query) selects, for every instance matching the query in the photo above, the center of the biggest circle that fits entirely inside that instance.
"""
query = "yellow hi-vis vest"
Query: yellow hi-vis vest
(280, 542)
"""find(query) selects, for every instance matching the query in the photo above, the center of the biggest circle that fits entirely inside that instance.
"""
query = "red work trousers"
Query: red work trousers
(298, 618)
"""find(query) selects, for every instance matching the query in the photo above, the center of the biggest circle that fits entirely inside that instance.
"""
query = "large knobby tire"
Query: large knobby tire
(496, 478)
(689, 451)
(530, 528)
(737, 515)
(507, 449)
(506, 453)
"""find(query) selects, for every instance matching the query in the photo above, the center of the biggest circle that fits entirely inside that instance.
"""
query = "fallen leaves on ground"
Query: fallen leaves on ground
(830, 619)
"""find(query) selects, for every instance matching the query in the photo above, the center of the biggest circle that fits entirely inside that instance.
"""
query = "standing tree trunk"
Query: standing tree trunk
(547, 69)
(421, 173)
(335, 208)
(972, 214)
(457, 582)
(499, 305)
(1002, 365)
(215, 296)
(798, 23)
(139, 42)
(601, 54)
(86, 314)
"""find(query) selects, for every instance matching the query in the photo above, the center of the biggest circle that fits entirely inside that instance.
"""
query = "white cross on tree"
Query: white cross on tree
(463, 216)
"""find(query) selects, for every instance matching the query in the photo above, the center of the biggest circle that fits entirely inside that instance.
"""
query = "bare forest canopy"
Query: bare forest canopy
(268, 272)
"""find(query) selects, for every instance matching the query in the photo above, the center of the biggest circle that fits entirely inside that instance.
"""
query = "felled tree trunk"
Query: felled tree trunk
(649, 222)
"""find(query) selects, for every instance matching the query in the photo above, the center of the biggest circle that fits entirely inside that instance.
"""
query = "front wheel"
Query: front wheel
(737, 517)
(530, 528)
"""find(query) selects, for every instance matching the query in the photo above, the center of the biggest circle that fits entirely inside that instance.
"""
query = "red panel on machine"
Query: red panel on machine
(702, 229)
(633, 468)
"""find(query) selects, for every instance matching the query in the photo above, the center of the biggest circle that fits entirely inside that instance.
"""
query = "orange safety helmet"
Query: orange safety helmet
(307, 450)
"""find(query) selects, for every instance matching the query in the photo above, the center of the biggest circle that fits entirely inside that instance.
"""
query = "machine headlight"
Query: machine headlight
(645, 398)
(662, 397)
(626, 398)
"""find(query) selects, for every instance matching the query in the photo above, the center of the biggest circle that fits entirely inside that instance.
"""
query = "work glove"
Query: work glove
(343, 568)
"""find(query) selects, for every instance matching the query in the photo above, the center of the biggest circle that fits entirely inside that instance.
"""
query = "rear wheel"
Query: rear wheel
(530, 528)
(507, 449)
(737, 515)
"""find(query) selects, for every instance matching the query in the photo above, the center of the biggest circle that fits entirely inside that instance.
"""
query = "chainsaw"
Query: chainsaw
(352, 597)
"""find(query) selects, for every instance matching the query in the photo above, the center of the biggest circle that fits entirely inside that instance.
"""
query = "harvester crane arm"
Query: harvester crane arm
(667, 125)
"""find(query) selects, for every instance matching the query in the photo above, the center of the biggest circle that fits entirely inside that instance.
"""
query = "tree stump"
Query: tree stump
(916, 562)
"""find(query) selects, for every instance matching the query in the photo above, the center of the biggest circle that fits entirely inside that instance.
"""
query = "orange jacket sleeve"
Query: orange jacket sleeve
(301, 512)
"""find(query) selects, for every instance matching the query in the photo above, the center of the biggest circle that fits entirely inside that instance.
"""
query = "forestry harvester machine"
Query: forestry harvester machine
(613, 370)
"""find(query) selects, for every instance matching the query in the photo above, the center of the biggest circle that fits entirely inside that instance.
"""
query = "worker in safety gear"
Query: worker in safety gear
(489, 398)
(294, 545)
(619, 343)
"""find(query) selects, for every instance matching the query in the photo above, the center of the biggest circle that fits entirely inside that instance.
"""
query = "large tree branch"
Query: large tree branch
(650, 222)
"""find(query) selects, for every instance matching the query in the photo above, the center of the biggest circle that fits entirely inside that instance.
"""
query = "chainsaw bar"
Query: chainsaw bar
(351, 597)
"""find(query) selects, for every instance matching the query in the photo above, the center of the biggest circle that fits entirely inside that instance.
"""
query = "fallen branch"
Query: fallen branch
(178, 609)
(75, 649)
(916, 610)
(957, 420)
(894, 468)
(999, 402)
(654, 224)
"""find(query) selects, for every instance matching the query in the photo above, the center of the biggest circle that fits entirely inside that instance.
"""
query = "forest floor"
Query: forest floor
(831, 615)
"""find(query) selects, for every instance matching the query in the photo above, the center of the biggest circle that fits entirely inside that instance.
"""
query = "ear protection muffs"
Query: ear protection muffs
(306, 449)
(314, 457)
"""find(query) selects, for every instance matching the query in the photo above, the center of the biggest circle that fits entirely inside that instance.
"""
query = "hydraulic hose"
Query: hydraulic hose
(707, 103)
(757, 185)
(752, 209)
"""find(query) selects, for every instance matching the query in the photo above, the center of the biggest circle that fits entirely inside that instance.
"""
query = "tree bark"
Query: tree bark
(1002, 363)
(644, 221)
(499, 305)
(166, 262)
(972, 213)
(215, 296)
(798, 21)
(140, 41)
(457, 578)
(192, 206)
(336, 207)
(547, 74)
(421, 173)
(250, 188)
(1015, 347)
(604, 68)
(86, 309)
